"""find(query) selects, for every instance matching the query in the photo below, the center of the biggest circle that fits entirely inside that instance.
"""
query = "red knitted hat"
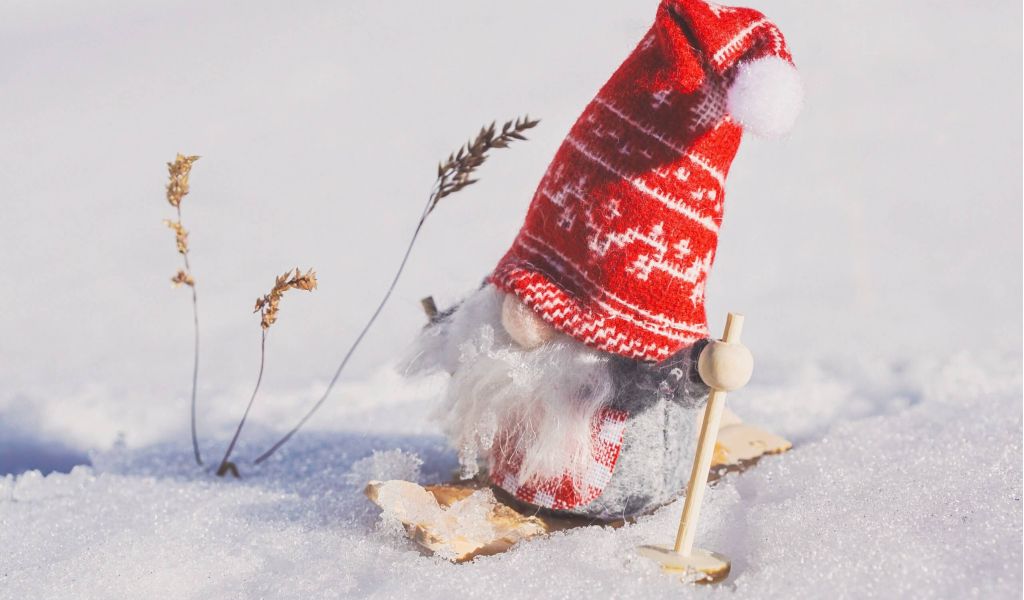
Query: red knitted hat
(622, 230)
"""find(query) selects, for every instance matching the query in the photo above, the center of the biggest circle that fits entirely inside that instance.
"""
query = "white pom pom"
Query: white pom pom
(766, 96)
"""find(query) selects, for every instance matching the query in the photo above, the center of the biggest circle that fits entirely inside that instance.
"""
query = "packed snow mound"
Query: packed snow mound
(905, 482)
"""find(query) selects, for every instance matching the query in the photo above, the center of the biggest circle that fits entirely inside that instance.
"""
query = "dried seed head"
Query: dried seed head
(177, 186)
(269, 304)
(182, 278)
(456, 173)
(180, 235)
(304, 281)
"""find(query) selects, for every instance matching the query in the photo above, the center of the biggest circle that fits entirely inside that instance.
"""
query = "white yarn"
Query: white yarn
(538, 403)
(766, 96)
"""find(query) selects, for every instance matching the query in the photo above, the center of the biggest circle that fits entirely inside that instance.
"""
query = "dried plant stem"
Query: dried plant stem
(225, 465)
(195, 354)
(177, 188)
(268, 307)
(453, 175)
(359, 338)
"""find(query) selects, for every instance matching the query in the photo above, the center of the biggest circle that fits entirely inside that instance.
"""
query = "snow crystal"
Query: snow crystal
(385, 464)
(466, 518)
(469, 516)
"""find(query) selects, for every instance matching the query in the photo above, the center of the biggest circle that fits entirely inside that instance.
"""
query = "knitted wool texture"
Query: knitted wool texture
(622, 231)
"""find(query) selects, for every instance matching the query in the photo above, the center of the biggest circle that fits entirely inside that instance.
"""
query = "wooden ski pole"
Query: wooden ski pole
(724, 366)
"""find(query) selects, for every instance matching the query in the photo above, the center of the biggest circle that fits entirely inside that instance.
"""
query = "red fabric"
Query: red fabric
(622, 231)
(562, 493)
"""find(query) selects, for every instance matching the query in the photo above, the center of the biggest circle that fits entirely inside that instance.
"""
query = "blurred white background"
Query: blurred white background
(887, 224)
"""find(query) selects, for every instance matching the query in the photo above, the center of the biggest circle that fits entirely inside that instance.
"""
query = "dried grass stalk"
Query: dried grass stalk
(177, 188)
(182, 278)
(180, 235)
(268, 306)
(453, 175)
(457, 172)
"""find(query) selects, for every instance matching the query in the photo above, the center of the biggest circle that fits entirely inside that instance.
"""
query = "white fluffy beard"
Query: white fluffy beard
(538, 404)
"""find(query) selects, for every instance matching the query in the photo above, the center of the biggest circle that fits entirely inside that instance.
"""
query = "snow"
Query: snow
(875, 251)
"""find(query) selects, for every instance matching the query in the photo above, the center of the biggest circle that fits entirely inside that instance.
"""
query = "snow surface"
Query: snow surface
(875, 251)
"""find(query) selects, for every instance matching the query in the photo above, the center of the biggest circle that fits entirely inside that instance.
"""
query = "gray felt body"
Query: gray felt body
(663, 402)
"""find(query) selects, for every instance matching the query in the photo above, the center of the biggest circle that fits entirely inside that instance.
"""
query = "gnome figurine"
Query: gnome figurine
(574, 385)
